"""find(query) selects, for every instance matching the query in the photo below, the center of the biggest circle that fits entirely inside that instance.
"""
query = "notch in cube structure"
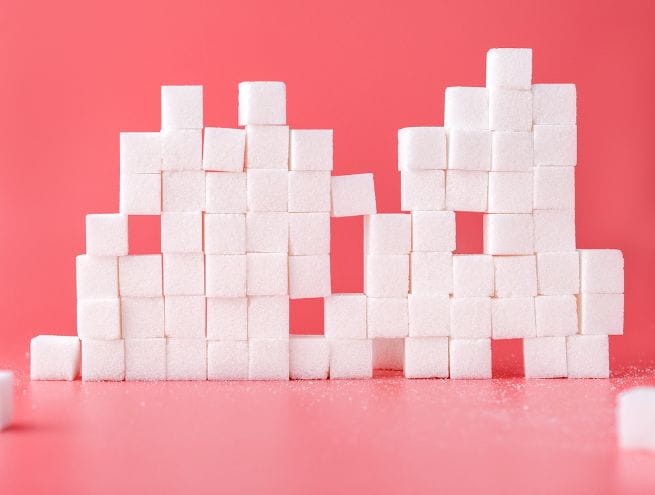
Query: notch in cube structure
(344, 316)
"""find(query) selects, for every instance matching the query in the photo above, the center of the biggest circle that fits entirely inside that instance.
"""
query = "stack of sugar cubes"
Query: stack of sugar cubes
(245, 226)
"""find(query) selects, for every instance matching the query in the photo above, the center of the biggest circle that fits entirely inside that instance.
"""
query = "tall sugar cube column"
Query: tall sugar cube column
(601, 297)
(509, 68)
(6, 398)
(267, 147)
(140, 173)
(262, 103)
(309, 357)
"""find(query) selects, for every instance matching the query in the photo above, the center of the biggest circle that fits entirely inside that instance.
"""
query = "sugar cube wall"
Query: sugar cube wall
(54, 357)
(309, 233)
(422, 190)
(429, 315)
(140, 153)
(309, 357)
(509, 68)
(422, 148)
(466, 190)
(344, 316)
(309, 276)
(103, 360)
(587, 356)
(99, 319)
(227, 360)
(267, 146)
(142, 317)
(466, 108)
(512, 151)
(351, 358)
(510, 109)
(556, 316)
(145, 359)
(469, 149)
(387, 317)
(183, 190)
(311, 149)
(181, 149)
(268, 359)
(513, 318)
(389, 233)
(431, 273)
(386, 275)
(225, 275)
(267, 190)
(96, 276)
(426, 357)
(352, 195)
(224, 233)
(309, 191)
(140, 275)
(601, 271)
(470, 317)
(554, 104)
(224, 149)
(433, 231)
(227, 318)
(226, 192)
(181, 232)
(545, 357)
(268, 317)
(184, 317)
(186, 359)
(470, 358)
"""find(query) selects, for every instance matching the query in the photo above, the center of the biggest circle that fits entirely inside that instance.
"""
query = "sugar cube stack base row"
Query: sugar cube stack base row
(245, 227)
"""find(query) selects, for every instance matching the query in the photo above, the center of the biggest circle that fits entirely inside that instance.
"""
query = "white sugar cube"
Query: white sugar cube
(267, 232)
(309, 233)
(184, 274)
(556, 316)
(226, 192)
(433, 231)
(225, 275)
(510, 192)
(545, 357)
(145, 359)
(181, 232)
(181, 107)
(469, 149)
(181, 149)
(426, 357)
(140, 153)
(186, 359)
(387, 317)
(267, 274)
(352, 195)
(509, 68)
(351, 359)
(183, 190)
(422, 148)
(225, 233)
(140, 275)
(96, 276)
(140, 194)
(267, 146)
(309, 357)
(510, 109)
(268, 317)
(99, 319)
(344, 316)
(515, 276)
(470, 358)
(554, 188)
(601, 314)
(513, 318)
(106, 234)
(103, 360)
(466, 108)
(6, 398)
(311, 149)
(587, 356)
(512, 151)
(473, 275)
(309, 276)
(142, 317)
(54, 357)
(422, 190)
(558, 273)
(601, 271)
(470, 317)
(432, 273)
(224, 149)
(262, 102)
(386, 275)
(510, 233)
(554, 230)
(466, 190)
(634, 418)
(267, 190)
(185, 317)
(388, 233)
(227, 318)
(429, 315)
(555, 145)
(388, 354)
(268, 359)
(309, 191)
(227, 360)
(554, 104)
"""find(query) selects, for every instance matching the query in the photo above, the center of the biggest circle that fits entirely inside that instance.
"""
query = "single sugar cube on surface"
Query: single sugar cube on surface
(309, 357)
(473, 275)
(267, 274)
(145, 359)
(181, 149)
(226, 192)
(432, 273)
(267, 146)
(556, 316)
(267, 232)
(309, 233)
(344, 316)
(554, 188)
(510, 192)
(466, 108)
(545, 357)
(181, 107)
(515, 276)
(554, 230)
(181, 232)
(225, 233)
(422, 148)
(183, 190)
(224, 149)
(309, 276)
(96, 276)
(142, 317)
(513, 318)
(601, 271)
(184, 317)
(469, 149)
(466, 190)
(386, 275)
(184, 274)
(140, 194)
(508, 233)
(470, 358)
(555, 145)
(263, 103)
(351, 359)
(311, 149)
(54, 357)
(512, 151)
(106, 234)
(268, 359)
(388, 354)
(309, 191)
(103, 360)
(227, 318)
(140, 153)
(509, 68)
(186, 359)
(635, 411)
(388, 233)
(140, 275)
(267, 190)
(352, 195)
(227, 360)
(601, 314)
(268, 317)
(429, 315)
(554, 104)
(470, 317)
(99, 319)
(587, 356)
(426, 357)
(6, 398)
(422, 190)
(510, 109)
(558, 273)
(433, 231)
(387, 317)
(225, 275)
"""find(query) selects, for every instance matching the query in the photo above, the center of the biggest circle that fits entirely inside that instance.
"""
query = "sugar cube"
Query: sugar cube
(96, 276)
(469, 149)
(634, 418)
(422, 148)
(181, 149)
(432, 273)
(309, 276)
(103, 360)
(601, 314)
(508, 233)
(510, 192)
(227, 360)
(352, 195)
(555, 145)
(433, 231)
(145, 359)
(309, 191)
(388, 233)
(386, 275)
(184, 317)
(466, 108)
(140, 194)
(6, 398)
(311, 149)
(224, 149)
(227, 318)
(268, 359)
(422, 190)
(429, 315)
(225, 233)
(106, 234)
(262, 102)
(268, 317)
(545, 357)
(470, 358)
(556, 316)
(470, 317)
(309, 233)
(587, 356)
(351, 358)
(515, 276)
(99, 319)
(181, 107)
(466, 190)
(387, 317)
(225, 275)
(426, 357)
(140, 153)
(509, 68)
(267, 274)
(267, 232)
(388, 354)
(183, 190)
(267, 146)
(554, 104)
(184, 274)
(344, 316)
(554, 230)
(226, 192)
(267, 190)
(512, 151)
(142, 317)
(309, 357)
(558, 273)
(601, 271)
(140, 275)
(473, 275)
(513, 318)
(510, 109)
(181, 232)
(54, 357)
(554, 188)
(186, 359)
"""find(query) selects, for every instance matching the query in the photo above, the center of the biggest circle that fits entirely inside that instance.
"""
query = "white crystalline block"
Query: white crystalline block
(422, 148)
(388, 233)
(268, 359)
(184, 274)
(352, 195)
(103, 360)
(388, 354)
(309, 233)
(386, 275)
(225, 233)
(267, 232)
(140, 153)
(512, 151)
(267, 190)
(267, 146)
(601, 271)
(470, 317)
(473, 275)
(513, 318)
(554, 230)
(140, 194)
(267, 274)
(226, 192)
(185, 317)
(262, 102)
(470, 358)
(54, 357)
(181, 149)
(99, 319)
(96, 276)
(466, 190)
(432, 273)
(555, 145)
(227, 318)
(554, 188)
(183, 190)
(227, 360)
(515, 276)
(433, 231)
(309, 276)
(186, 359)
(140, 275)
(142, 317)
(344, 316)
(556, 316)
(351, 358)
(558, 273)
(601, 314)
(181, 107)
(426, 357)
(224, 149)
(466, 108)
(309, 191)
(311, 149)
(508, 233)
(509, 68)
(422, 190)
(106, 234)
(429, 315)
(510, 110)
(268, 317)
(387, 317)
(6, 398)
(181, 232)
(510, 192)
(587, 356)
(225, 275)
(634, 418)
(145, 359)
(545, 357)
(469, 149)
(554, 104)
(309, 357)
